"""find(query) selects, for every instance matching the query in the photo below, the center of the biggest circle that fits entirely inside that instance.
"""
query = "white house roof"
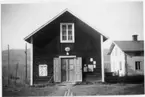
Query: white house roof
(131, 45)
(128, 46)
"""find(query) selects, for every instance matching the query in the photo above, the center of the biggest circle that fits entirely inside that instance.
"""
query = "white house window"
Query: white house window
(137, 65)
(120, 65)
(43, 70)
(66, 32)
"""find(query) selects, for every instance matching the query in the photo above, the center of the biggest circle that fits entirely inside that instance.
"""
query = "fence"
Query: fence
(15, 67)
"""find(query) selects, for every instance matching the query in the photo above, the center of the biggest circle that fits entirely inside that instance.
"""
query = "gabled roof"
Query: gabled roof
(131, 45)
(128, 46)
(28, 38)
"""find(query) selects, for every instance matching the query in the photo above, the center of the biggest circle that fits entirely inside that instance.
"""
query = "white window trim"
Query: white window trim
(73, 35)
(67, 56)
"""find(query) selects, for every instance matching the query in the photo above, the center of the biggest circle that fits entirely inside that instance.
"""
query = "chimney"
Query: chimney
(134, 37)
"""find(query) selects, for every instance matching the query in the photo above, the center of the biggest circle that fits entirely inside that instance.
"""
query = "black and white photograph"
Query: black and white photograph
(72, 48)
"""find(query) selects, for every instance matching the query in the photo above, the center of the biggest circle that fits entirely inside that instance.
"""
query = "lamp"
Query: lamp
(91, 59)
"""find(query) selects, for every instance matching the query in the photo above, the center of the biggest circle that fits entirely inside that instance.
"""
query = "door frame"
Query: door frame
(72, 56)
(67, 57)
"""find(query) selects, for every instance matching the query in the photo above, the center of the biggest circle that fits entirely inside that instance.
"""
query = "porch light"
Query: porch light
(91, 59)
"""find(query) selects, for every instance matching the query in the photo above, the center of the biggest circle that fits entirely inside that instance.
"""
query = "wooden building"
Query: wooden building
(63, 47)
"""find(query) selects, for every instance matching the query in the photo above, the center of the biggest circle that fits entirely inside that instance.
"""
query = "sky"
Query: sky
(116, 20)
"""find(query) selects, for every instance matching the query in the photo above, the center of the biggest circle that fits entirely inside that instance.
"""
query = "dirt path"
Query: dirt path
(77, 90)
(63, 90)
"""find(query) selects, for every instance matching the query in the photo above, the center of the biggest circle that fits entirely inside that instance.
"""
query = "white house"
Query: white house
(107, 67)
(127, 57)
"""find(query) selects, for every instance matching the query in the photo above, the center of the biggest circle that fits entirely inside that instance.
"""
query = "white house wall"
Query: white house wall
(117, 57)
(107, 66)
(131, 65)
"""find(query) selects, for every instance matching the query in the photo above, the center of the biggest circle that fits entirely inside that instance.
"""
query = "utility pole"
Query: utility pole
(26, 62)
(8, 66)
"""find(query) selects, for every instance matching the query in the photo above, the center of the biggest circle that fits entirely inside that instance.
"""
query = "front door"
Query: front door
(64, 63)
(67, 70)
(71, 68)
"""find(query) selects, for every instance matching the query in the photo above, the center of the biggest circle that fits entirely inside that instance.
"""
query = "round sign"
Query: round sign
(67, 49)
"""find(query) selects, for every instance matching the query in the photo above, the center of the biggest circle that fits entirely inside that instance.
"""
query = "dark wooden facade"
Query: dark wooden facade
(47, 46)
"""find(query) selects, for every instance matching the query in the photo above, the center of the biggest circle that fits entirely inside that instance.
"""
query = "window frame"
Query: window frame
(67, 41)
(120, 65)
(137, 66)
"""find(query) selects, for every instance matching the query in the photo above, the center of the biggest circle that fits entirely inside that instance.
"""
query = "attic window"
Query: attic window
(67, 32)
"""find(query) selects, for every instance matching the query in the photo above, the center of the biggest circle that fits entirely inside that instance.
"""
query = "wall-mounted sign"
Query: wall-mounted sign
(94, 62)
(90, 68)
(42, 70)
(67, 49)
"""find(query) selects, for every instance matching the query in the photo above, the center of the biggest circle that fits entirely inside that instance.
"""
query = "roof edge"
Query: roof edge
(55, 17)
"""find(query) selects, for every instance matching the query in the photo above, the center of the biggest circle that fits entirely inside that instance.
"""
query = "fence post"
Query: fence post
(16, 72)
(26, 62)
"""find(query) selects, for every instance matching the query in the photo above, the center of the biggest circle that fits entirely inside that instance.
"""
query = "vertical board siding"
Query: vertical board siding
(57, 70)
(78, 69)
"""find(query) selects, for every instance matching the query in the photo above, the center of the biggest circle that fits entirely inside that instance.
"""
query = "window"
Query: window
(120, 65)
(67, 32)
(137, 65)
(43, 70)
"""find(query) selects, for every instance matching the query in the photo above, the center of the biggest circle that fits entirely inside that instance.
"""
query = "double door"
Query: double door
(67, 69)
